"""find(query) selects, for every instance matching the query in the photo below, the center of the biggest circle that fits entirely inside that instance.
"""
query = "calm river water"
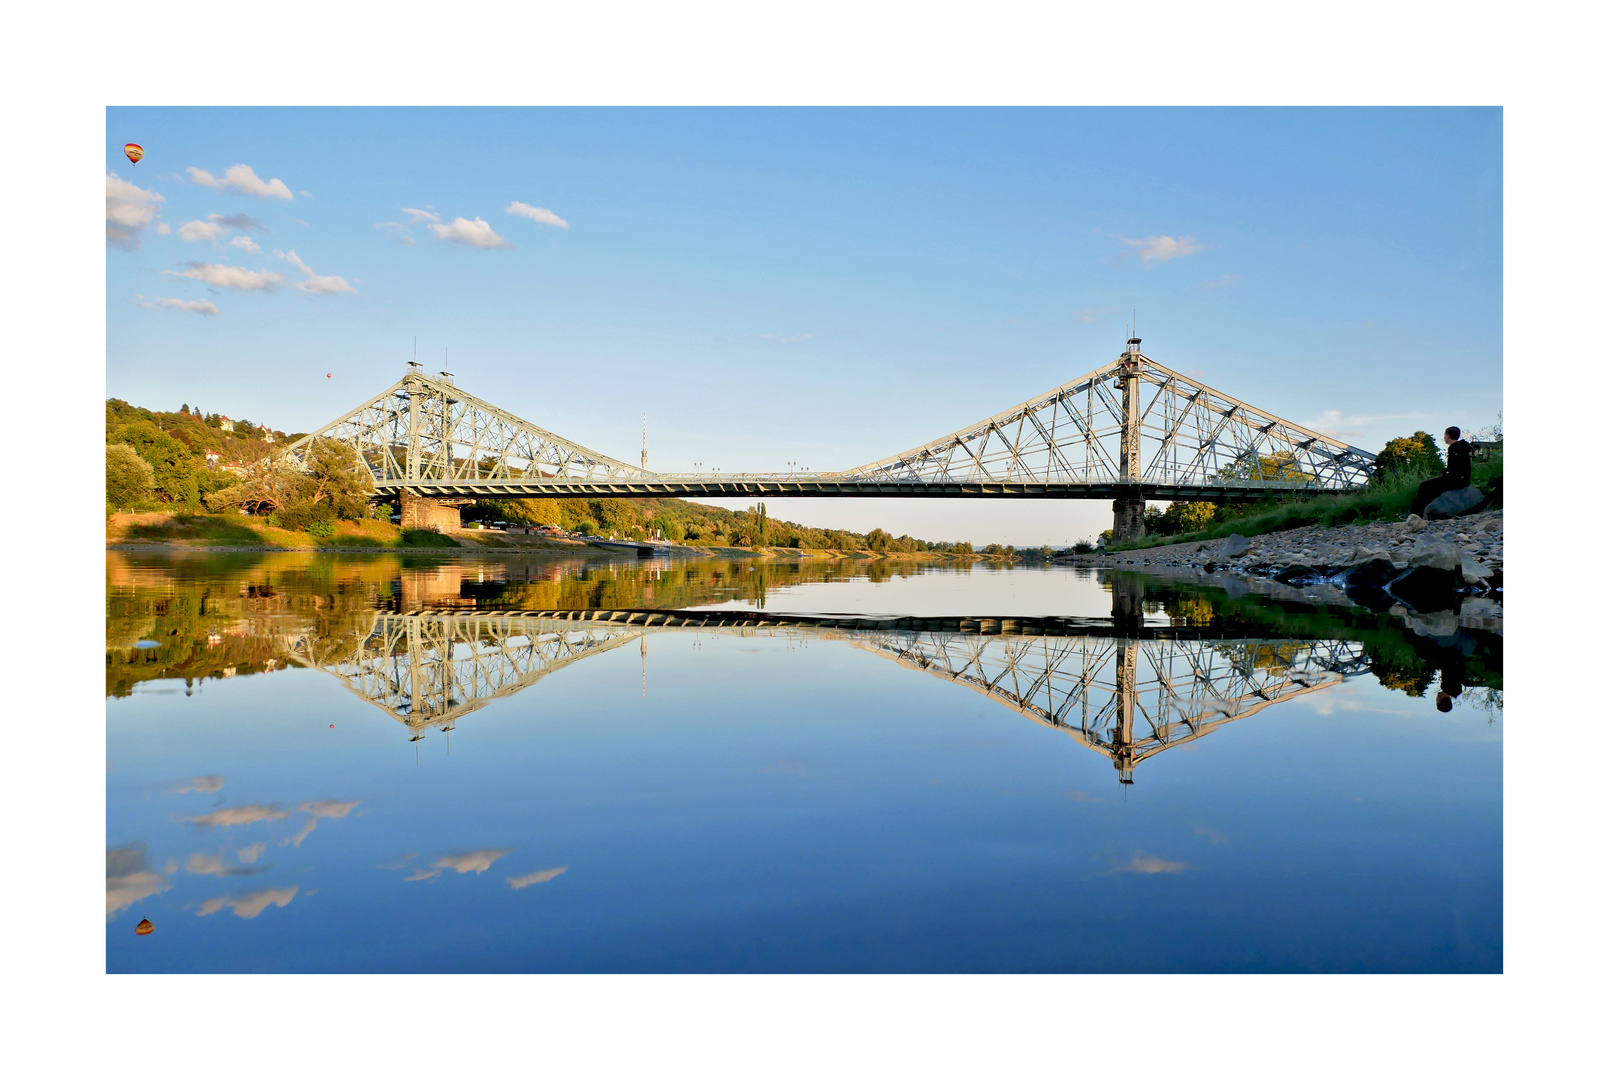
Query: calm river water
(384, 763)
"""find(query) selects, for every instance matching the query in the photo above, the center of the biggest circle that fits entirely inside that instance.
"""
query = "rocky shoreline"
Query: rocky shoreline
(1426, 567)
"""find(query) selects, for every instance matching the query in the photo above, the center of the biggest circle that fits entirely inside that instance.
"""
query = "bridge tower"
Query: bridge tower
(1128, 511)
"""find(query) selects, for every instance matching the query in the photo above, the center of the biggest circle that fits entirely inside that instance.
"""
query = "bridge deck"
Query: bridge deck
(782, 487)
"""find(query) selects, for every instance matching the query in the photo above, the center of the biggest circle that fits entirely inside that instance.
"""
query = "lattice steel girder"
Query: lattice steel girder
(1131, 429)
(426, 430)
(1189, 437)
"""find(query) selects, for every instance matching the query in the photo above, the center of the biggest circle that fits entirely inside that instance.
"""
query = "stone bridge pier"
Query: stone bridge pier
(1128, 519)
(442, 515)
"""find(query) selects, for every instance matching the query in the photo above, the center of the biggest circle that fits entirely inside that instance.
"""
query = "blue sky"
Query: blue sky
(824, 287)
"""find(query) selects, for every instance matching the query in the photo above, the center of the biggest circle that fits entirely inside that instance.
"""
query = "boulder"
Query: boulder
(1474, 570)
(1453, 503)
(1235, 546)
(1299, 574)
(1413, 523)
(1435, 555)
(1492, 525)
(1370, 574)
(1427, 588)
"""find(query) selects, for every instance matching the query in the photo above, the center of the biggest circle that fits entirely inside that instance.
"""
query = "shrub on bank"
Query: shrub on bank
(1387, 498)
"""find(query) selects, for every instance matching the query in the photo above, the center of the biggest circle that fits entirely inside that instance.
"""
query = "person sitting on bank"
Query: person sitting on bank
(1454, 478)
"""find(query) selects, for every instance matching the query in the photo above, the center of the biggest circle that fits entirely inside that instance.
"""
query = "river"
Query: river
(430, 763)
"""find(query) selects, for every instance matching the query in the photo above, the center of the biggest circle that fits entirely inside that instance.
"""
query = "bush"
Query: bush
(316, 519)
(129, 477)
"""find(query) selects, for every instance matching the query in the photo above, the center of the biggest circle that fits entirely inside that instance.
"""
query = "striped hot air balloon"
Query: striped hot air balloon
(135, 152)
(144, 927)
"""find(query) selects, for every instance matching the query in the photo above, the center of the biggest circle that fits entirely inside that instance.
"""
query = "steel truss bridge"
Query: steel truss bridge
(1129, 431)
(1126, 697)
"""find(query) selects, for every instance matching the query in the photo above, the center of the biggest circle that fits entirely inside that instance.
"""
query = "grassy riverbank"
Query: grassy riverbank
(234, 531)
(1383, 502)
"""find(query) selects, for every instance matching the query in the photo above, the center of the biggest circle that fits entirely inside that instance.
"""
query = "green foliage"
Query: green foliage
(1409, 456)
(338, 477)
(1386, 499)
(173, 469)
(1083, 547)
(962, 547)
(130, 480)
(305, 516)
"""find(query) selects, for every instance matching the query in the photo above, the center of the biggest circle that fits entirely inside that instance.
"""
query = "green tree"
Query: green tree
(878, 540)
(172, 467)
(129, 477)
(1186, 517)
(337, 476)
(963, 547)
(1408, 456)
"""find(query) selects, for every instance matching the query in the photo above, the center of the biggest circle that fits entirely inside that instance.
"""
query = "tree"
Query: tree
(335, 473)
(1187, 517)
(173, 469)
(878, 540)
(962, 547)
(1408, 456)
(129, 477)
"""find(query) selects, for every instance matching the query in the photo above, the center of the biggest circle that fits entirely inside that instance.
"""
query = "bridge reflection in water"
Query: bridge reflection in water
(1127, 692)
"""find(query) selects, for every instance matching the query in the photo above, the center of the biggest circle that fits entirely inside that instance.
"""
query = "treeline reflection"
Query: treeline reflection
(412, 626)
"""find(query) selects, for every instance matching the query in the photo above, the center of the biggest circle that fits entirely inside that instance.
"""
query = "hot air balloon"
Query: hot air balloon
(135, 152)
(144, 927)
(329, 375)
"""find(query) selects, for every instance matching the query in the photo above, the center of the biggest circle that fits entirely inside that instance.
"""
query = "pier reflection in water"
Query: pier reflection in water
(682, 810)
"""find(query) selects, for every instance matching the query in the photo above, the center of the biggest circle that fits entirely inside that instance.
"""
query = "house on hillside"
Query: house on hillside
(213, 457)
(225, 424)
(268, 436)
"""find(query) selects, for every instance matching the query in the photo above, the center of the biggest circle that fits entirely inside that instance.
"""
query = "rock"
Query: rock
(1370, 574)
(1480, 608)
(1491, 525)
(1453, 503)
(1413, 524)
(1427, 588)
(1474, 570)
(1435, 624)
(1235, 546)
(1438, 556)
(1298, 574)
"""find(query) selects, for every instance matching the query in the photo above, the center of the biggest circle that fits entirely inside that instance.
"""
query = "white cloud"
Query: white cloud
(1163, 248)
(1221, 282)
(1151, 864)
(1090, 314)
(128, 879)
(477, 861)
(315, 283)
(398, 230)
(251, 854)
(536, 213)
(245, 242)
(472, 233)
(325, 808)
(416, 216)
(244, 179)
(1339, 425)
(240, 815)
(200, 783)
(163, 229)
(230, 277)
(1210, 833)
(252, 904)
(200, 307)
(536, 878)
(129, 208)
(200, 230)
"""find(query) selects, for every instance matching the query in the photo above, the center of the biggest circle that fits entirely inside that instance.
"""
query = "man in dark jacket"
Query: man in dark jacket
(1454, 478)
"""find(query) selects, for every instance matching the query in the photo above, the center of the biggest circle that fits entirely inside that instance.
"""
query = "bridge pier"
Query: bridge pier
(1128, 519)
(442, 515)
